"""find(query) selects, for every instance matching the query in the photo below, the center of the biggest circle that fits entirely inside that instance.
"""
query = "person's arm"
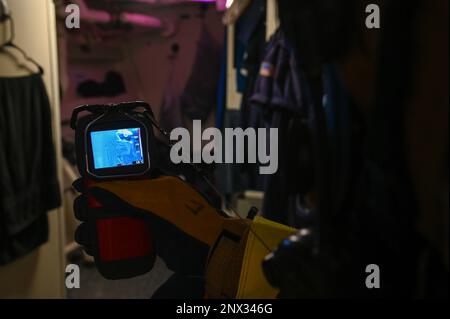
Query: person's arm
(189, 234)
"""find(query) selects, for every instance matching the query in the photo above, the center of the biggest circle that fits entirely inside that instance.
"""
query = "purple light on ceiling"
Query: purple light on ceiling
(143, 20)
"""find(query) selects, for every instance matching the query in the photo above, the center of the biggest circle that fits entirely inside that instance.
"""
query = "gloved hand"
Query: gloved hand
(182, 223)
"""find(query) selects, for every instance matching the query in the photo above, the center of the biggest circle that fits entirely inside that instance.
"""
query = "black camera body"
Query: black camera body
(115, 141)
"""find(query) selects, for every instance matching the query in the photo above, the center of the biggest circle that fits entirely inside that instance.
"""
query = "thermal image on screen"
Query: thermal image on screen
(116, 148)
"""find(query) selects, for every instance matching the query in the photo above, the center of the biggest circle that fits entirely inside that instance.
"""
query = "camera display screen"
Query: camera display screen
(117, 148)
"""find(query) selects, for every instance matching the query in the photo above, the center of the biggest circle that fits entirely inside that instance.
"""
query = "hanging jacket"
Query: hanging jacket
(28, 179)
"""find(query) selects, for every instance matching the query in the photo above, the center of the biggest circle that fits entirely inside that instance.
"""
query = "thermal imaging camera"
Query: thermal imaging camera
(114, 140)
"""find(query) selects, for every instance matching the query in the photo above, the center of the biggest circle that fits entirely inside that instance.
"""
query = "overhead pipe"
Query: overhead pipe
(94, 16)
(141, 20)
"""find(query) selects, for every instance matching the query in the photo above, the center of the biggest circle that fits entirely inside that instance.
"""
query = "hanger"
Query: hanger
(5, 16)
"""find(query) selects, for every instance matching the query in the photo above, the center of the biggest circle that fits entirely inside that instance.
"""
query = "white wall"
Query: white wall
(41, 273)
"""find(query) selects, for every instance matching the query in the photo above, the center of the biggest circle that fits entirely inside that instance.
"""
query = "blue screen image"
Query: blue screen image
(117, 148)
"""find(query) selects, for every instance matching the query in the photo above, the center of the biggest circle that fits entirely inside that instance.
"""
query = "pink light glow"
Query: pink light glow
(142, 20)
(174, 1)
(221, 5)
(93, 15)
